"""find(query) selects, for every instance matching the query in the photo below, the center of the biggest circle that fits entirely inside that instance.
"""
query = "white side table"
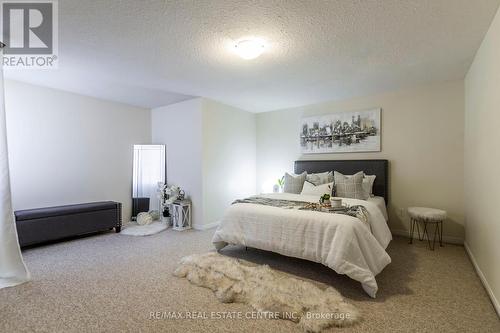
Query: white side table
(181, 215)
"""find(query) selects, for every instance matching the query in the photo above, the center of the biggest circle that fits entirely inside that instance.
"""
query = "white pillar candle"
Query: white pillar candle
(336, 202)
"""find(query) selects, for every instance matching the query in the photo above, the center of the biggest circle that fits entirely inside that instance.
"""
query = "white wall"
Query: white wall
(179, 127)
(66, 148)
(229, 157)
(210, 154)
(422, 137)
(482, 158)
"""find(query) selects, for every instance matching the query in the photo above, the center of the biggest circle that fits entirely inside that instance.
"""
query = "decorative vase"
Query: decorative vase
(166, 220)
(166, 212)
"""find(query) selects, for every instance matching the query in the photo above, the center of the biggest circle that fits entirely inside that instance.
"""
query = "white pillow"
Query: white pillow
(319, 190)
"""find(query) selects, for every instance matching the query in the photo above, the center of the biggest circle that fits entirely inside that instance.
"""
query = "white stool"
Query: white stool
(427, 215)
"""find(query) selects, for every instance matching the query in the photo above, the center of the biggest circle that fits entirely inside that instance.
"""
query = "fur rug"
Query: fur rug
(267, 290)
(133, 229)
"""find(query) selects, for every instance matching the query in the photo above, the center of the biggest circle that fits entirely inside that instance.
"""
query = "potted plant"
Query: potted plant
(325, 198)
(278, 187)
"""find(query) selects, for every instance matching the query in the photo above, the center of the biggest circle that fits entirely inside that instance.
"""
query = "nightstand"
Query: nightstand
(181, 215)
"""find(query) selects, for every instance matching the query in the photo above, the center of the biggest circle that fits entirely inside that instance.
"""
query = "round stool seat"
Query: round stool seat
(427, 214)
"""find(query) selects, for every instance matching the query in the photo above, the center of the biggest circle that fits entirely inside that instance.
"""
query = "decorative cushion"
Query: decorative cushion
(429, 214)
(144, 218)
(294, 183)
(368, 181)
(350, 187)
(311, 189)
(320, 178)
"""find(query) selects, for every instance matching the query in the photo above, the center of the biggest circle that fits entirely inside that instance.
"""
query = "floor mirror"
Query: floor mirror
(149, 171)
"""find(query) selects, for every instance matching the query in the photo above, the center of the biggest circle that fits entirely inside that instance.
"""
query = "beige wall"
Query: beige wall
(482, 158)
(66, 148)
(229, 157)
(422, 136)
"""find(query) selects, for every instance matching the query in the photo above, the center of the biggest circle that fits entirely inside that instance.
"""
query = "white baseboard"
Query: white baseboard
(446, 239)
(207, 226)
(486, 285)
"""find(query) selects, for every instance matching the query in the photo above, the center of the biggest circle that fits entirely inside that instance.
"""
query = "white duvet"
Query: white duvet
(341, 242)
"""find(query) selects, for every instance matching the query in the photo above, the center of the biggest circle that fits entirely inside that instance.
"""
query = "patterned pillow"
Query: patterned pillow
(320, 178)
(294, 183)
(368, 181)
(350, 187)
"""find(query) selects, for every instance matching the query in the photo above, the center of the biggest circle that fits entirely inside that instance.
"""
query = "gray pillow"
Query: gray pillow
(320, 178)
(294, 183)
(350, 187)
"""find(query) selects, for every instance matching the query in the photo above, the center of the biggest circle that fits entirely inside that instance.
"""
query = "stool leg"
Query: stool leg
(412, 227)
(426, 234)
(417, 222)
(436, 232)
(441, 235)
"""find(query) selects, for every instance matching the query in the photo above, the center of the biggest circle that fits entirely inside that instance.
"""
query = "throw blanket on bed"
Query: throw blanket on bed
(357, 211)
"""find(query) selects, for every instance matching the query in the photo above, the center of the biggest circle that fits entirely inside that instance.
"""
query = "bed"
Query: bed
(341, 242)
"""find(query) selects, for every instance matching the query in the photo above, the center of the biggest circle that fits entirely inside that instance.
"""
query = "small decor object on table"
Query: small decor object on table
(181, 215)
(425, 216)
(181, 195)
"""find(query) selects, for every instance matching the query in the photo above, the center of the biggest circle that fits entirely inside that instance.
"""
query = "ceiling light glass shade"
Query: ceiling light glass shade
(249, 48)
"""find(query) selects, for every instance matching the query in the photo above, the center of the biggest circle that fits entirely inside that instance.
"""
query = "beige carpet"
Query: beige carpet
(111, 283)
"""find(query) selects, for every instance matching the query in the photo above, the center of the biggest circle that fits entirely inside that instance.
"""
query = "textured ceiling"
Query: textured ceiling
(152, 53)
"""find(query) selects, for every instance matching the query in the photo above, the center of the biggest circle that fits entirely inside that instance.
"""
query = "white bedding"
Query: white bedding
(380, 202)
(341, 242)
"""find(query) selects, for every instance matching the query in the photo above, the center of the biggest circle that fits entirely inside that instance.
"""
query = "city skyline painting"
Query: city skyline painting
(341, 132)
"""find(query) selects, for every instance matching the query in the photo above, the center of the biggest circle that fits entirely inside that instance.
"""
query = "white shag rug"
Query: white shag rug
(134, 229)
(266, 290)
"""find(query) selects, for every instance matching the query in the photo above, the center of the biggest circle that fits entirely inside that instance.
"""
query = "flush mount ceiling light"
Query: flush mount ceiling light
(250, 48)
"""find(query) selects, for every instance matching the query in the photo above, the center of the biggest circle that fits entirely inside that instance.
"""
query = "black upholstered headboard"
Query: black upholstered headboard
(349, 167)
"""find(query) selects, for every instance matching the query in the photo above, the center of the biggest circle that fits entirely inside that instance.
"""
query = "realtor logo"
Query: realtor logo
(29, 30)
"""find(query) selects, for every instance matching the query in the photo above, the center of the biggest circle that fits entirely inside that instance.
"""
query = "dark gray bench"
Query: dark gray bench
(48, 224)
